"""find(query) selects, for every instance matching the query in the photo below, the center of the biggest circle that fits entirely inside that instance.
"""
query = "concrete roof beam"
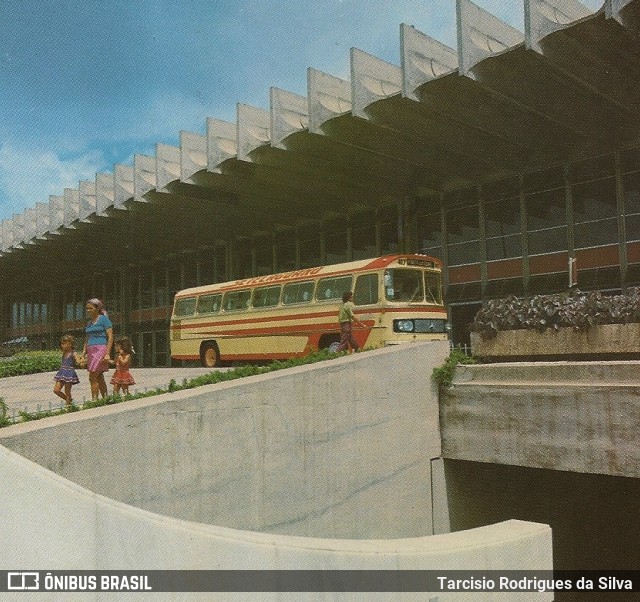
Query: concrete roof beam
(328, 97)
(586, 60)
(56, 213)
(254, 130)
(423, 59)
(222, 143)
(71, 207)
(87, 199)
(613, 9)
(372, 79)
(6, 235)
(193, 154)
(122, 185)
(42, 219)
(105, 192)
(18, 230)
(542, 17)
(289, 114)
(481, 35)
(144, 176)
(167, 166)
(29, 224)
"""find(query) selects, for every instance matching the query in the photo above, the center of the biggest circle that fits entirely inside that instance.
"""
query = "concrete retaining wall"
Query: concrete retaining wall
(49, 523)
(575, 416)
(337, 449)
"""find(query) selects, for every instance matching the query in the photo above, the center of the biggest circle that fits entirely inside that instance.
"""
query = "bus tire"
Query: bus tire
(209, 355)
(330, 342)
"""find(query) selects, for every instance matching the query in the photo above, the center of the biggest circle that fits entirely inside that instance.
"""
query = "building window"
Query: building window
(363, 235)
(336, 241)
(310, 249)
(190, 270)
(74, 304)
(594, 213)
(463, 229)
(631, 185)
(430, 237)
(546, 221)
(243, 259)
(146, 291)
(174, 281)
(502, 224)
(264, 255)
(112, 292)
(285, 248)
(389, 230)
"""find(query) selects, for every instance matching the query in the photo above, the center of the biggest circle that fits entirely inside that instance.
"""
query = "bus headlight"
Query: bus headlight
(421, 326)
(403, 325)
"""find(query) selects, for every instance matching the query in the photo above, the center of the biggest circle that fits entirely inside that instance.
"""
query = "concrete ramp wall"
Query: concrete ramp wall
(49, 523)
(336, 449)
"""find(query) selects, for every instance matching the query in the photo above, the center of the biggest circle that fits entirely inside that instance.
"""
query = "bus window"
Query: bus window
(366, 290)
(266, 296)
(401, 284)
(236, 300)
(209, 304)
(184, 307)
(333, 288)
(297, 292)
(434, 290)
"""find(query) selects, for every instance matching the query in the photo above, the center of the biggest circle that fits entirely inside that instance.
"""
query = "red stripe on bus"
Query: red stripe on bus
(308, 274)
(277, 330)
(431, 309)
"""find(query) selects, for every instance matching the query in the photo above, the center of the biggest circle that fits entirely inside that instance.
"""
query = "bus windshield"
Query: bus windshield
(402, 284)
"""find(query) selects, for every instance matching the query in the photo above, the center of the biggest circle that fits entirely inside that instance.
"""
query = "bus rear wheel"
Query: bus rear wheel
(209, 355)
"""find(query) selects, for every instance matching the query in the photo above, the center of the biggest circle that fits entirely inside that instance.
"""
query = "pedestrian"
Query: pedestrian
(122, 379)
(66, 377)
(346, 317)
(97, 346)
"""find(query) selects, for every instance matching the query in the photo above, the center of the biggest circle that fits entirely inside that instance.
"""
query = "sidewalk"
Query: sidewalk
(33, 390)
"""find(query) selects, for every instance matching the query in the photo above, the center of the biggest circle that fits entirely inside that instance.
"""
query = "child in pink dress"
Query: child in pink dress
(122, 378)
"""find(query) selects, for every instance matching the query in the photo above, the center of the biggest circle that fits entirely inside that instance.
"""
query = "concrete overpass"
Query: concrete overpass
(332, 465)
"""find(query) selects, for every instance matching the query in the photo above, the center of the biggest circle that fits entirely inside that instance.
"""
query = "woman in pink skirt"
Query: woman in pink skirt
(97, 346)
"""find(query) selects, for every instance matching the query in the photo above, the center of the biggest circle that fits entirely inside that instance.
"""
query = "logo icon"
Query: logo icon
(23, 581)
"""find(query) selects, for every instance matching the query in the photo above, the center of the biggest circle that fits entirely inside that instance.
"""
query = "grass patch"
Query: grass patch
(172, 386)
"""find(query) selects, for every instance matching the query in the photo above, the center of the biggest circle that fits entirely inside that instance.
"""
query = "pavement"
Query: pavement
(31, 391)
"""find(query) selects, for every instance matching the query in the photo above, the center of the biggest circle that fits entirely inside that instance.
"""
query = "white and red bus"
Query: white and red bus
(280, 316)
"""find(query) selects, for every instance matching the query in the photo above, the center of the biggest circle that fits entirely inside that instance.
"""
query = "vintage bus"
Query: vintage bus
(280, 316)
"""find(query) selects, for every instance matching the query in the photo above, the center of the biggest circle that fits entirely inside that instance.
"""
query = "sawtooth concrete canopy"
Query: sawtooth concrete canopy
(503, 103)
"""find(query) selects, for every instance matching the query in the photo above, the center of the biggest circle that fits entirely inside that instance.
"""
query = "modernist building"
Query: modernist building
(506, 158)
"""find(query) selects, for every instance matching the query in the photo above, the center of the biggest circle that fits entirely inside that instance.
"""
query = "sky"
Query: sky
(87, 84)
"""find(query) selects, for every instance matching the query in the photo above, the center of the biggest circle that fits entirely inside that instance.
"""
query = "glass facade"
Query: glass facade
(513, 235)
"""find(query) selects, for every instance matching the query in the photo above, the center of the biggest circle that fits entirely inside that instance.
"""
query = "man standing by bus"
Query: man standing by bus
(346, 317)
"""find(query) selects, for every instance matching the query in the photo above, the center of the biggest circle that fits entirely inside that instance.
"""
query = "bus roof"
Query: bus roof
(305, 273)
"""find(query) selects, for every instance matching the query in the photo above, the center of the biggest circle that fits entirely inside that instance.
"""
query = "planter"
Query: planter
(610, 340)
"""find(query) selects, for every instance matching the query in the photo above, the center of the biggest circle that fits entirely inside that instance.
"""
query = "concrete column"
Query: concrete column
(523, 235)
(622, 227)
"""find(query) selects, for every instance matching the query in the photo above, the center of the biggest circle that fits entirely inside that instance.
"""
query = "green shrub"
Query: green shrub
(30, 362)
(443, 375)
(4, 418)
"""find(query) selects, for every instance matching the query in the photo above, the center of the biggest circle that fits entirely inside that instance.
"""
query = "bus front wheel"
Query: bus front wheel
(330, 342)
(209, 355)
